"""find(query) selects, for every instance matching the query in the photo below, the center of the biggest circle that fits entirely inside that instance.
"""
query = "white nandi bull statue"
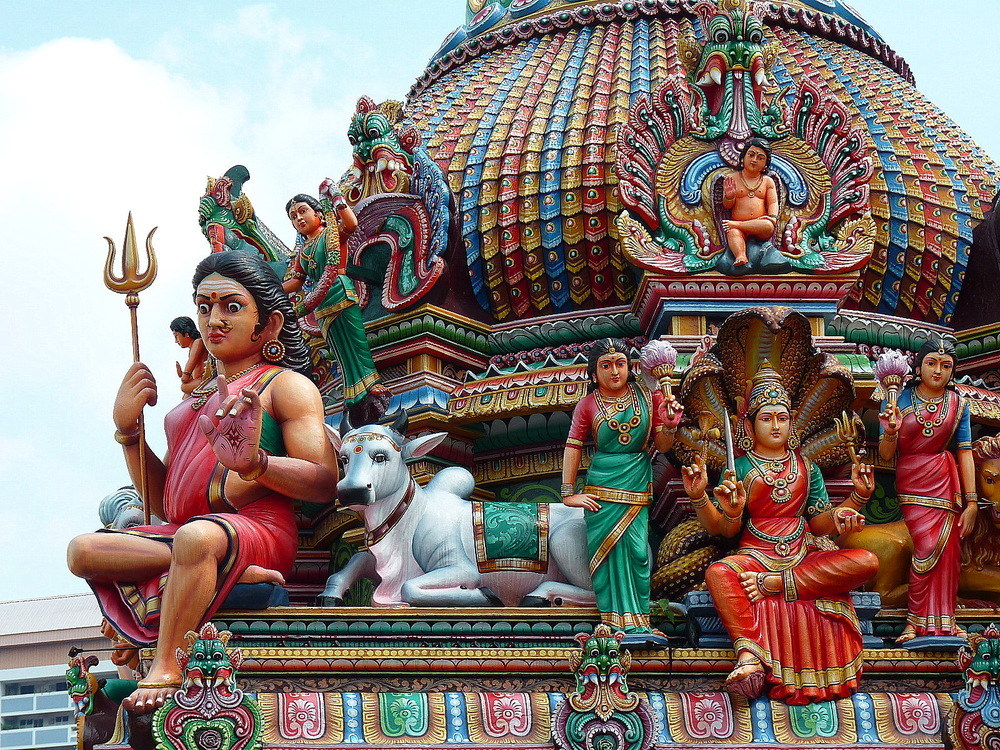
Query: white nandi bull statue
(422, 546)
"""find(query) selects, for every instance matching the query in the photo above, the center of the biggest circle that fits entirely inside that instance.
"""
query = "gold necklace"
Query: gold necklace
(211, 385)
(929, 425)
(751, 191)
(770, 471)
(611, 407)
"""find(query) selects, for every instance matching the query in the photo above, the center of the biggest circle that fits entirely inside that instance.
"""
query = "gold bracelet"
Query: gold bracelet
(699, 502)
(892, 438)
(259, 469)
(854, 497)
(127, 438)
(566, 489)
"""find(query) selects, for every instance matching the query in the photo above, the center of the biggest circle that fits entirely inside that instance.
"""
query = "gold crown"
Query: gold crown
(767, 390)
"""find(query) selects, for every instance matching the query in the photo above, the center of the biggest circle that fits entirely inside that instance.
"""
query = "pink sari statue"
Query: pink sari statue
(924, 431)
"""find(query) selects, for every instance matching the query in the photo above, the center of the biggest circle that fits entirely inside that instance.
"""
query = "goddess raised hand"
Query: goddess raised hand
(234, 433)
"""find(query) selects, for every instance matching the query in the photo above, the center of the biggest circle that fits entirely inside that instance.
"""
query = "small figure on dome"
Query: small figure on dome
(317, 276)
(187, 337)
(751, 198)
(239, 450)
(928, 433)
(784, 597)
(620, 416)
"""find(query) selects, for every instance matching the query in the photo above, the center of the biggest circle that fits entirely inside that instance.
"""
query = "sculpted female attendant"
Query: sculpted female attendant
(620, 417)
(936, 487)
(318, 272)
(238, 451)
(784, 601)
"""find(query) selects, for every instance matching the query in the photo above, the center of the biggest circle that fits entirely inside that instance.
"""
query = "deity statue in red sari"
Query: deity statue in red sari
(239, 450)
(928, 434)
(784, 596)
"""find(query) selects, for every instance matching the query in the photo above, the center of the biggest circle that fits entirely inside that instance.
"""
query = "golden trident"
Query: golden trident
(850, 432)
(130, 283)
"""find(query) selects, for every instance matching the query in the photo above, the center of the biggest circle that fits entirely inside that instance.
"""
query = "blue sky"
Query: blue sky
(107, 107)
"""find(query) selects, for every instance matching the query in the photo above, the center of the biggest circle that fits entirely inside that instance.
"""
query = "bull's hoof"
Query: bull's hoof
(329, 601)
(535, 601)
(492, 599)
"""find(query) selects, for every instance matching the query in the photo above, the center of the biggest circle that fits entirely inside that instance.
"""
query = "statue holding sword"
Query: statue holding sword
(784, 595)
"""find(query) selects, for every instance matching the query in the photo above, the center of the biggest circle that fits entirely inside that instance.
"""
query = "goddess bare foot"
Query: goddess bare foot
(151, 694)
(745, 666)
(747, 679)
(908, 634)
(257, 574)
(760, 585)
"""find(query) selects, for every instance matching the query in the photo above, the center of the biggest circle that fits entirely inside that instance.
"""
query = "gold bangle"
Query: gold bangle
(127, 438)
(893, 438)
(699, 502)
(259, 469)
(854, 497)
(731, 518)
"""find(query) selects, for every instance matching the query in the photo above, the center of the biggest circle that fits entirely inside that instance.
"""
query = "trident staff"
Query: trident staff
(130, 283)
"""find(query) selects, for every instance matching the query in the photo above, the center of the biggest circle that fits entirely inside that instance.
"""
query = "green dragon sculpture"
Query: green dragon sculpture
(603, 713)
(974, 721)
(209, 711)
(683, 139)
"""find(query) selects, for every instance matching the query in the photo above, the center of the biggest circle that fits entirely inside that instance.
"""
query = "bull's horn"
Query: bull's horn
(402, 423)
(345, 423)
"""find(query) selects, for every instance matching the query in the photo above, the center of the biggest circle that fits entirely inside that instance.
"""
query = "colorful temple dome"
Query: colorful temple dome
(522, 106)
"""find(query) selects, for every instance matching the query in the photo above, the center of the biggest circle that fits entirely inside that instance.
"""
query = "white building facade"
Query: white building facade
(35, 638)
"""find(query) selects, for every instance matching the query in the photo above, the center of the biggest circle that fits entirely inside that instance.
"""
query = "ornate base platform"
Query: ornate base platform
(394, 678)
(514, 649)
(519, 721)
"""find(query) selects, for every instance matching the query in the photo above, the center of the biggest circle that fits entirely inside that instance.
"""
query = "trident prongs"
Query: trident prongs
(850, 430)
(131, 281)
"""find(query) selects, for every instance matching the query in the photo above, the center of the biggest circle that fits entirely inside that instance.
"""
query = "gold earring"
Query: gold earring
(273, 351)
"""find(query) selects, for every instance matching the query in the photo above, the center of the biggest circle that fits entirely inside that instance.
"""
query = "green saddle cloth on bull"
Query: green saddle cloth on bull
(511, 536)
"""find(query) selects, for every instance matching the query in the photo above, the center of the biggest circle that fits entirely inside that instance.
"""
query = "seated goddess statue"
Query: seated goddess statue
(784, 597)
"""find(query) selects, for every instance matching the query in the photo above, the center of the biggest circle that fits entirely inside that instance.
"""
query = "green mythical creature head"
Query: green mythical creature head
(601, 670)
(207, 665)
(730, 72)
(383, 151)
(229, 222)
(82, 685)
(980, 663)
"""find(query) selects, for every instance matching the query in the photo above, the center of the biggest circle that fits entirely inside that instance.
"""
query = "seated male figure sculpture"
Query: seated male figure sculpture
(752, 200)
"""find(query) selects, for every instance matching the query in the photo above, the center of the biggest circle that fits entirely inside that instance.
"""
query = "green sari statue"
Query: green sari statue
(620, 417)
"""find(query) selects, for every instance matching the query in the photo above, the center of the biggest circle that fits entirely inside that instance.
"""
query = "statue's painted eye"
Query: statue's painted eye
(595, 652)
(755, 37)
(613, 653)
(721, 36)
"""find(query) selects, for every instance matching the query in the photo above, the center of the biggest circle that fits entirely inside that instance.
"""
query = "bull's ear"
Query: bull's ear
(420, 446)
(334, 438)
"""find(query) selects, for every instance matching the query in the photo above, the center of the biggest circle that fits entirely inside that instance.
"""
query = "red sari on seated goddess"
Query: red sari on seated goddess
(784, 597)
(262, 533)
(807, 636)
